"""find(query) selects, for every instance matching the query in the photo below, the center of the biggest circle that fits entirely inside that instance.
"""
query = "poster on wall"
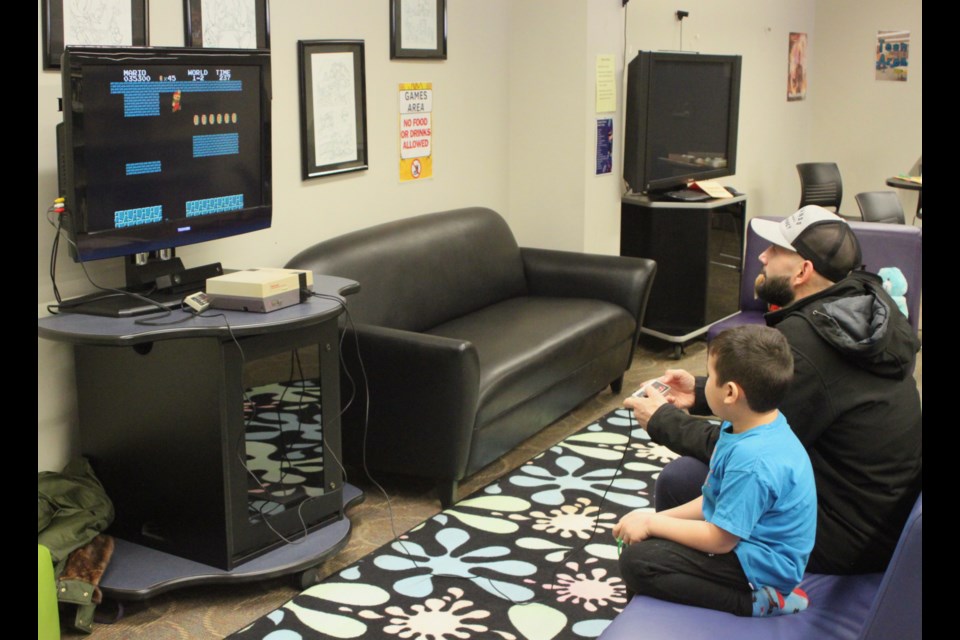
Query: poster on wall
(416, 130)
(604, 145)
(893, 50)
(606, 83)
(797, 67)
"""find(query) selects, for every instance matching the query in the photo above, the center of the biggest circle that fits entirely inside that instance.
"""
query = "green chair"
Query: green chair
(48, 620)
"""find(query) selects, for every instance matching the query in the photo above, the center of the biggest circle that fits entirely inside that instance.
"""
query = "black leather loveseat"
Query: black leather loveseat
(470, 343)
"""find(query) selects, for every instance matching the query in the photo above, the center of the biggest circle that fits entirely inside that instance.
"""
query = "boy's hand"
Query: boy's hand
(682, 388)
(634, 527)
(644, 407)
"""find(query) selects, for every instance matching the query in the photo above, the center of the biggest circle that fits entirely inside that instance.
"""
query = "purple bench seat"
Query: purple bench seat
(862, 607)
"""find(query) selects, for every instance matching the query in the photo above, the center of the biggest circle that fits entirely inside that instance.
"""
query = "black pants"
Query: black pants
(670, 571)
(680, 482)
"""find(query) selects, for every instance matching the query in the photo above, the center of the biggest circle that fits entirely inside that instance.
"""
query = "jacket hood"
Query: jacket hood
(857, 318)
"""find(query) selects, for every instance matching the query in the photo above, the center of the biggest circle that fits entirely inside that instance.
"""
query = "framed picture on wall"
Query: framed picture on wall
(333, 109)
(227, 24)
(418, 29)
(113, 23)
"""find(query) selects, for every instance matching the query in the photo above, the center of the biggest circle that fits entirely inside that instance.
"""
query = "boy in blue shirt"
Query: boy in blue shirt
(741, 547)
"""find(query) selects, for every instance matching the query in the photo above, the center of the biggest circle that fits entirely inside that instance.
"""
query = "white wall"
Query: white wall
(774, 135)
(546, 110)
(871, 129)
(470, 156)
(556, 200)
(601, 219)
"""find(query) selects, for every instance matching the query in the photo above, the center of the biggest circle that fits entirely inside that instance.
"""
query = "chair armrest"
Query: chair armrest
(897, 610)
(423, 392)
(616, 279)
(48, 618)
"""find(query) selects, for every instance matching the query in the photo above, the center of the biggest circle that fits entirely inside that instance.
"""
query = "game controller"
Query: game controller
(656, 384)
(198, 301)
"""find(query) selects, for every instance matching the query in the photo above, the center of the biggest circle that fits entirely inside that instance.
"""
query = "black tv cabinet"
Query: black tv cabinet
(698, 247)
(171, 427)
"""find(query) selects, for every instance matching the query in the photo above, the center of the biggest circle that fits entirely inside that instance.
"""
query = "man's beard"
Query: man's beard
(775, 290)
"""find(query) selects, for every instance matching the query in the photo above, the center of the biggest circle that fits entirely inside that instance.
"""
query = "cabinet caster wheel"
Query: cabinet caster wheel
(309, 578)
(677, 351)
(109, 611)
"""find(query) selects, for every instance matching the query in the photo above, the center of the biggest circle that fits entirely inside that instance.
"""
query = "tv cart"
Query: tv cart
(172, 429)
(698, 247)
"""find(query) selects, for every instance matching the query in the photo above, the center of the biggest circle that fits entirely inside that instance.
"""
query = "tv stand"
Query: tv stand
(154, 281)
(122, 303)
(178, 419)
(698, 247)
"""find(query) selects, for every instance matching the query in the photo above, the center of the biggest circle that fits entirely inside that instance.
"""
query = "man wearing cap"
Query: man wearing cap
(853, 403)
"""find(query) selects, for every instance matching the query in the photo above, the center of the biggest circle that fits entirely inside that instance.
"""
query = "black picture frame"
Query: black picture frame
(193, 25)
(333, 135)
(53, 28)
(404, 13)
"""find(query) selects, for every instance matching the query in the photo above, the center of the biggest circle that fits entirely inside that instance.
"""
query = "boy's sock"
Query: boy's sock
(767, 601)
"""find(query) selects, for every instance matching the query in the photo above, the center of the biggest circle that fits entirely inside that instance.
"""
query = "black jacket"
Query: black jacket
(854, 404)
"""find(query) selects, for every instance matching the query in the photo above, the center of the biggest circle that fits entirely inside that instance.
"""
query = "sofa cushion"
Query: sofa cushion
(838, 607)
(548, 340)
(418, 272)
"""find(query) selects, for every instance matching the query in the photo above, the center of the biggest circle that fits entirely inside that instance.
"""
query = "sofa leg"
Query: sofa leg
(617, 385)
(447, 492)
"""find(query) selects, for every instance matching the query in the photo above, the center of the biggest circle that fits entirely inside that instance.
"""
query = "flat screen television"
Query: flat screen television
(681, 122)
(163, 147)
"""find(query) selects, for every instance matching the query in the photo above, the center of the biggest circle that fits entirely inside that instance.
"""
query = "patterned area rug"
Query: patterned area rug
(529, 557)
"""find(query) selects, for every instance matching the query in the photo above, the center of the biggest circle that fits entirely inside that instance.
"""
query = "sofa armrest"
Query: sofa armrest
(423, 392)
(616, 279)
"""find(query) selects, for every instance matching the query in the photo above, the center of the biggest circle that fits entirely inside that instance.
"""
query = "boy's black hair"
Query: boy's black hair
(758, 359)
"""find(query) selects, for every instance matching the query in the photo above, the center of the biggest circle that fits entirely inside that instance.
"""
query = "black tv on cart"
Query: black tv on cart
(681, 122)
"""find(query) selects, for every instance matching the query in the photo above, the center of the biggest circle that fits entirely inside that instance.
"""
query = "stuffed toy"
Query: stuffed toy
(895, 284)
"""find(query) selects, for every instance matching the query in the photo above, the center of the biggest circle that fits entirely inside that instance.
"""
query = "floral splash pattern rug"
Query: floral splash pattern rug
(530, 557)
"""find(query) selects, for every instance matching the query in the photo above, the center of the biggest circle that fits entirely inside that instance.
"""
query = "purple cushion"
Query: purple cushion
(838, 609)
(894, 245)
(887, 606)
(744, 317)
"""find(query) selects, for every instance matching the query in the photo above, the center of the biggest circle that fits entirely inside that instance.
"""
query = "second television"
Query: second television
(163, 147)
(681, 122)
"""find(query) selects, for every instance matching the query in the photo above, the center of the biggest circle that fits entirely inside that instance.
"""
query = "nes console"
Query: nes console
(261, 290)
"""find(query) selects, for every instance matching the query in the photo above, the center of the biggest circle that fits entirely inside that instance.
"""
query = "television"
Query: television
(163, 147)
(681, 121)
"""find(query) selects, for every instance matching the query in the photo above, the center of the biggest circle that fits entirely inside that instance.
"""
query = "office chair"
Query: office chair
(880, 206)
(820, 184)
(48, 619)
